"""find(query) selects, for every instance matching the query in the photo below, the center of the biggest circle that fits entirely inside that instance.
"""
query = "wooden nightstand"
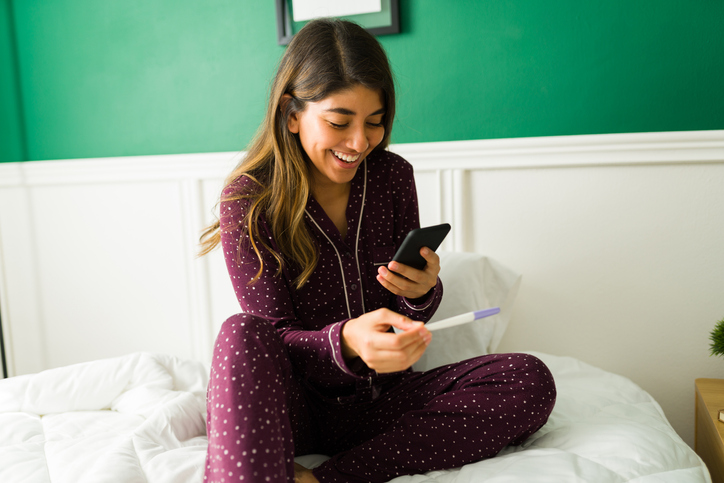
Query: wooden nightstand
(709, 439)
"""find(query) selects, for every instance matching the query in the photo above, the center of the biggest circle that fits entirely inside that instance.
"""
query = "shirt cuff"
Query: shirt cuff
(423, 303)
(355, 367)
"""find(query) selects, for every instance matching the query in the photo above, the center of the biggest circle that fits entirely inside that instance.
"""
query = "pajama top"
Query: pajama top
(382, 209)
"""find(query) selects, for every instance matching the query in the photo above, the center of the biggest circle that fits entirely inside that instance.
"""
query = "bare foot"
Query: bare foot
(303, 475)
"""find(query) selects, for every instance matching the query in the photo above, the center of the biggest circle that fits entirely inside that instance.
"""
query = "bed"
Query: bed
(141, 417)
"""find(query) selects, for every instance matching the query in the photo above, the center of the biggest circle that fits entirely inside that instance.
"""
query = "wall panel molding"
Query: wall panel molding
(684, 147)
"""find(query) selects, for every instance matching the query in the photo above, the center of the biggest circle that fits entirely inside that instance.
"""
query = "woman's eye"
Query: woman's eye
(345, 125)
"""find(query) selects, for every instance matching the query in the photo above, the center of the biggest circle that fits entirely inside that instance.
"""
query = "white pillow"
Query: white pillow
(470, 282)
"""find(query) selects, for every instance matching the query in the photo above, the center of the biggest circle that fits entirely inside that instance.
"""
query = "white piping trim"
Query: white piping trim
(344, 284)
(341, 265)
(432, 299)
(356, 243)
(334, 352)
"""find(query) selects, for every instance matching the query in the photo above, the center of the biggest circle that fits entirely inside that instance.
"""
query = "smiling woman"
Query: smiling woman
(308, 223)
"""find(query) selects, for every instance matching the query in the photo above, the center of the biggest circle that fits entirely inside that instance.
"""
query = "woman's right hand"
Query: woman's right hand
(367, 337)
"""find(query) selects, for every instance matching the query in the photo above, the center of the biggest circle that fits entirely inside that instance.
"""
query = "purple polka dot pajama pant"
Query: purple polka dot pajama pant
(260, 416)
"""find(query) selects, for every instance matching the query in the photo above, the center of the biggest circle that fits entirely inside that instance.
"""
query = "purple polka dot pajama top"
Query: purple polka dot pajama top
(279, 386)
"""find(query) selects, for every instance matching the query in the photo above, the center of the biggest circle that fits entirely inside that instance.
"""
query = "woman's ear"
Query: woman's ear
(293, 118)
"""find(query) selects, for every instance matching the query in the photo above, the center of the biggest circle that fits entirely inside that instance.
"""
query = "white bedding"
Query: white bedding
(140, 418)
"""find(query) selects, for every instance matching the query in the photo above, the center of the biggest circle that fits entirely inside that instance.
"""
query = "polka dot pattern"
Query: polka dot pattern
(443, 418)
(280, 387)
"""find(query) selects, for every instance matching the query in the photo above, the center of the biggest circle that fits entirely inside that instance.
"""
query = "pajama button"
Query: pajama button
(353, 286)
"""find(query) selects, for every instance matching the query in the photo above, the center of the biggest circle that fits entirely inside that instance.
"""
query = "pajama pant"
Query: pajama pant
(259, 416)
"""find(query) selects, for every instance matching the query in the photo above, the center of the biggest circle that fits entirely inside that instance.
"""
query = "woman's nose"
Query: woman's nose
(358, 140)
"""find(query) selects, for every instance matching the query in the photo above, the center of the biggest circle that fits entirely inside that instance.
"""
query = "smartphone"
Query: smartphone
(430, 237)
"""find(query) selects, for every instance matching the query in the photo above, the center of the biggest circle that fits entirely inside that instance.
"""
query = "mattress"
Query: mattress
(141, 418)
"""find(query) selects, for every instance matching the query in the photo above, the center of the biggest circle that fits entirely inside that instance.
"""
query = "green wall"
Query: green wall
(100, 78)
(12, 136)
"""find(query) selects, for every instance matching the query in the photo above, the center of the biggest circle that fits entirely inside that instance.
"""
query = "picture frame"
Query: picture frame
(385, 22)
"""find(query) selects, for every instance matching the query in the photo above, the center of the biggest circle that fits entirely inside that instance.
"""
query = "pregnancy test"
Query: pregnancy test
(462, 319)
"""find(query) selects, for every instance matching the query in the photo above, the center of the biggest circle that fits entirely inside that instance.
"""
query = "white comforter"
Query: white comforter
(140, 418)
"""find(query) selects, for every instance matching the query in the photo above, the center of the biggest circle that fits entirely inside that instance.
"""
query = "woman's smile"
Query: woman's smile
(347, 158)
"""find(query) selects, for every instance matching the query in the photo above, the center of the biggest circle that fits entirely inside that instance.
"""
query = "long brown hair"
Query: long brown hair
(324, 57)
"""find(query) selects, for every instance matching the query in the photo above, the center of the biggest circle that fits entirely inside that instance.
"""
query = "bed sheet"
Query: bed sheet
(141, 418)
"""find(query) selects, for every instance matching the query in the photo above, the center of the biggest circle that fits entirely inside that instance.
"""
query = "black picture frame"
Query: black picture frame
(285, 29)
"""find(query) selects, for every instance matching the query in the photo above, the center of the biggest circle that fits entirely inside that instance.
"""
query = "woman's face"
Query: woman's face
(338, 132)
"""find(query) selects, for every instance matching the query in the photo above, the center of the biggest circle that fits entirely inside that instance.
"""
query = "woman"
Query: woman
(309, 222)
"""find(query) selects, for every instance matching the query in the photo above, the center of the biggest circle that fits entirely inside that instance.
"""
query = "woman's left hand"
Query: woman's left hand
(409, 282)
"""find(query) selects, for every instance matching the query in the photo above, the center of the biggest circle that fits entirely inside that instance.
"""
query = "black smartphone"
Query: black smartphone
(430, 237)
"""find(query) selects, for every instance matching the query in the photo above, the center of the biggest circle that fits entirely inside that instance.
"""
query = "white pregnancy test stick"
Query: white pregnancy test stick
(462, 319)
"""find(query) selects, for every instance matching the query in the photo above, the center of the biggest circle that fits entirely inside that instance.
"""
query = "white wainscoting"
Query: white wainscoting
(619, 237)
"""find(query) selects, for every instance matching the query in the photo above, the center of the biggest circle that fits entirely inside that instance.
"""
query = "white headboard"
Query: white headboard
(619, 239)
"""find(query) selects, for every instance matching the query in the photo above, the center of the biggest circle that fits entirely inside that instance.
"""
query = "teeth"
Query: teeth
(346, 157)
